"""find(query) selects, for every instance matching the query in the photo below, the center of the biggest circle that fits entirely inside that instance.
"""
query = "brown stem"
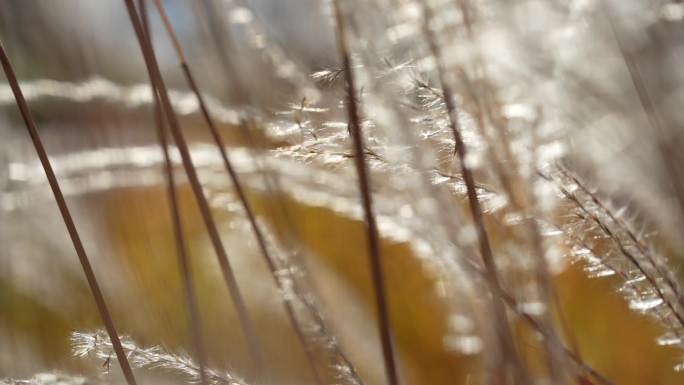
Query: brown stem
(181, 246)
(641, 247)
(377, 273)
(483, 108)
(242, 196)
(631, 257)
(342, 362)
(205, 211)
(519, 200)
(66, 216)
(522, 199)
(510, 301)
(503, 329)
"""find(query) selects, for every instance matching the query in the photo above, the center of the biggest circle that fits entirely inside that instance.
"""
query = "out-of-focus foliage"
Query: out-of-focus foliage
(593, 85)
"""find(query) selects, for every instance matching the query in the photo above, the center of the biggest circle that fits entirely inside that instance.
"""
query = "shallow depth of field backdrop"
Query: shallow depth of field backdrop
(564, 78)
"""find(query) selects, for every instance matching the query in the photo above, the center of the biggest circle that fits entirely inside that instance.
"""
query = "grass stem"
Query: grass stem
(181, 244)
(377, 273)
(242, 196)
(66, 216)
(191, 172)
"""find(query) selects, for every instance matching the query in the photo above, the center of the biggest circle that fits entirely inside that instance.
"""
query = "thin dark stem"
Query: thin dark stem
(181, 246)
(300, 282)
(377, 272)
(510, 301)
(226, 269)
(645, 271)
(242, 196)
(503, 329)
(66, 216)
(536, 325)
(518, 200)
(621, 224)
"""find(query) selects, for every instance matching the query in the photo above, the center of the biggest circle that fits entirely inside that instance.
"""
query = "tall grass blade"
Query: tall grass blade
(205, 210)
(66, 216)
(352, 105)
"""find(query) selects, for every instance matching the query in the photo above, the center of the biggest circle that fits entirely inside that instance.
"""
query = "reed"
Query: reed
(66, 216)
(226, 269)
(373, 239)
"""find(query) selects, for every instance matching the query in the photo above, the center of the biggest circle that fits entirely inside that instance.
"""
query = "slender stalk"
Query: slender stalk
(302, 288)
(226, 269)
(519, 200)
(377, 272)
(624, 227)
(537, 326)
(301, 284)
(510, 301)
(503, 330)
(66, 216)
(242, 196)
(653, 276)
(181, 246)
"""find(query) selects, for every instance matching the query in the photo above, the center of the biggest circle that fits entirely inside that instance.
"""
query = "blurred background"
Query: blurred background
(82, 71)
